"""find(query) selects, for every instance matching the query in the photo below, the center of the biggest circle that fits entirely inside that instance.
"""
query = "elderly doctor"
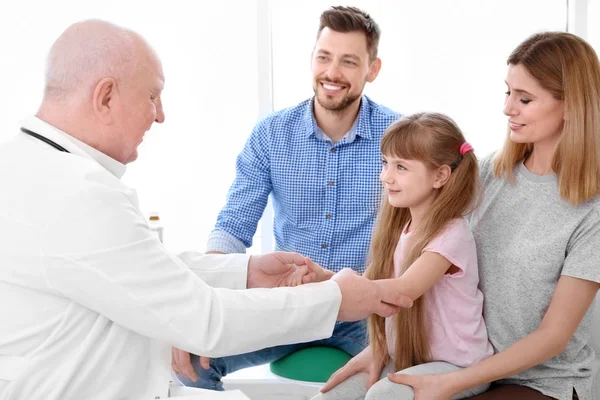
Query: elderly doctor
(91, 302)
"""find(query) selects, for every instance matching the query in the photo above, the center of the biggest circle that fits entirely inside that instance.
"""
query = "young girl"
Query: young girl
(422, 246)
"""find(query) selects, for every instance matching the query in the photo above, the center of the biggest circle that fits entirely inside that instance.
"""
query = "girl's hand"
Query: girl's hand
(316, 273)
(363, 362)
(426, 387)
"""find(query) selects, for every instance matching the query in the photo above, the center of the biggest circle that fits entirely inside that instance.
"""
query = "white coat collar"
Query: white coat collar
(74, 145)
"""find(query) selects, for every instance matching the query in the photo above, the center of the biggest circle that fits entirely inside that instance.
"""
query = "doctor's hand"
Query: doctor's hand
(361, 297)
(277, 269)
(181, 364)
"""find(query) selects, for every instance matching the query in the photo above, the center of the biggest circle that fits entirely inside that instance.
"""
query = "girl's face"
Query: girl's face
(534, 115)
(409, 183)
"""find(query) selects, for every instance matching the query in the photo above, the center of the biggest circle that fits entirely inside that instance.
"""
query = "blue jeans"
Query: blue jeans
(348, 336)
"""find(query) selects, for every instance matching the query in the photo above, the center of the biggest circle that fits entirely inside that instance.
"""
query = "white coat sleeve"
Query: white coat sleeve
(100, 253)
(230, 272)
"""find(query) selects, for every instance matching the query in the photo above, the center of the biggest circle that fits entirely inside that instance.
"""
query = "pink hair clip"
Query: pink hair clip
(465, 148)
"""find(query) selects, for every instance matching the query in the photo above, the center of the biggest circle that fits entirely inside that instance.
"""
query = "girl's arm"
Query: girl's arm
(425, 272)
(570, 302)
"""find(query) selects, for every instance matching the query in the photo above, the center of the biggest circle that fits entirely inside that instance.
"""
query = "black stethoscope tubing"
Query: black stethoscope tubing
(44, 139)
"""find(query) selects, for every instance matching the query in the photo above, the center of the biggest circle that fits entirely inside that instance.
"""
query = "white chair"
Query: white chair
(188, 393)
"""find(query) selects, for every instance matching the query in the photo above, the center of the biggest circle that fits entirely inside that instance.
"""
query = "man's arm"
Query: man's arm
(277, 269)
(107, 260)
(247, 197)
(216, 271)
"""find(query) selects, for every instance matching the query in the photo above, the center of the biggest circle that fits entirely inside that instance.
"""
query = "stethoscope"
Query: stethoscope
(44, 139)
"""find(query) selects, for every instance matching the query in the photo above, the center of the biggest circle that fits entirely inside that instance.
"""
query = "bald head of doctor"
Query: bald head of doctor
(103, 86)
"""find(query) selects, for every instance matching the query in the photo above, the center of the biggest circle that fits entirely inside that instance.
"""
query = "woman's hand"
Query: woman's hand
(365, 361)
(426, 387)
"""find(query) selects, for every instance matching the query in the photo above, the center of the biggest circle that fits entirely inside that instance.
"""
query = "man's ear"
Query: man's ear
(441, 177)
(103, 99)
(374, 69)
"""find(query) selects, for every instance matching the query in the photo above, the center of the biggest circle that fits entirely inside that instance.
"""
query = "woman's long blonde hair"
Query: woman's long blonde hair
(568, 67)
(435, 140)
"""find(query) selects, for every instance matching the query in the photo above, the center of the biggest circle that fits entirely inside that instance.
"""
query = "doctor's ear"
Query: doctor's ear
(103, 98)
(441, 176)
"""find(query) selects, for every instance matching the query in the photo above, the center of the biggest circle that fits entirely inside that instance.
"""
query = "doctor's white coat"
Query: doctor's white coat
(91, 302)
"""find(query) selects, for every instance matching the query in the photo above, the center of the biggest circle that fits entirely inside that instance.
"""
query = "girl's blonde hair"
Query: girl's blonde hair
(435, 140)
(568, 67)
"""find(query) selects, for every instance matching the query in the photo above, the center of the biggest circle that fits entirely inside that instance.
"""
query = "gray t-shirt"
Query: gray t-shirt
(528, 237)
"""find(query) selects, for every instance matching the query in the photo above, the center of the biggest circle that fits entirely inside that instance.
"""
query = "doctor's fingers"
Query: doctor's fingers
(205, 362)
(294, 276)
(386, 310)
(174, 361)
(392, 297)
(182, 364)
(289, 258)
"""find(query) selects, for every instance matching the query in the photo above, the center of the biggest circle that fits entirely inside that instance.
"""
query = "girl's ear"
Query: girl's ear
(441, 176)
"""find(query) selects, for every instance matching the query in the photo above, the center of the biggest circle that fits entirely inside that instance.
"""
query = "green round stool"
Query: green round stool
(313, 364)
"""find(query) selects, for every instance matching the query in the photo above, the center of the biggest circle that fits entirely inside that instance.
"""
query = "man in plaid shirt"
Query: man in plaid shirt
(320, 161)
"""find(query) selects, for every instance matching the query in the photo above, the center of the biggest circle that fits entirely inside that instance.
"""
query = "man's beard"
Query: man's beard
(344, 103)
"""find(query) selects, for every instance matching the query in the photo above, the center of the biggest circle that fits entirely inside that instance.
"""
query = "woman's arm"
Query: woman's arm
(570, 302)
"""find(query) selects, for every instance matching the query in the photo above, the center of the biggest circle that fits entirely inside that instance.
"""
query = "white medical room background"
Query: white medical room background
(228, 63)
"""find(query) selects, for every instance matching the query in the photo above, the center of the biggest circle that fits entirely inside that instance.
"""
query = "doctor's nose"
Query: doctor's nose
(160, 113)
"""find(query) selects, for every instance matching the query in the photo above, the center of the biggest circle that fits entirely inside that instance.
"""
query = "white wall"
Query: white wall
(593, 24)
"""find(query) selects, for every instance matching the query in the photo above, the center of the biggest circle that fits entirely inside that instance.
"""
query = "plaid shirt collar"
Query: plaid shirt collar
(361, 126)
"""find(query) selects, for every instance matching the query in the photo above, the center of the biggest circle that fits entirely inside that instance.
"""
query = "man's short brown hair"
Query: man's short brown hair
(352, 19)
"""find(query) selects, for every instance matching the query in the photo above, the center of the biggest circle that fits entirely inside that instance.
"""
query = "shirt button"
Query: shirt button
(323, 246)
(333, 150)
(328, 216)
(330, 183)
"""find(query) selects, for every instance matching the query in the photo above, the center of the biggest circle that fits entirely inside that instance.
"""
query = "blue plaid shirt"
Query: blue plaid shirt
(325, 195)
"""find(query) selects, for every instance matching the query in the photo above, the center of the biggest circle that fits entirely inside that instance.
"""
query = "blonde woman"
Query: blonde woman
(538, 231)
